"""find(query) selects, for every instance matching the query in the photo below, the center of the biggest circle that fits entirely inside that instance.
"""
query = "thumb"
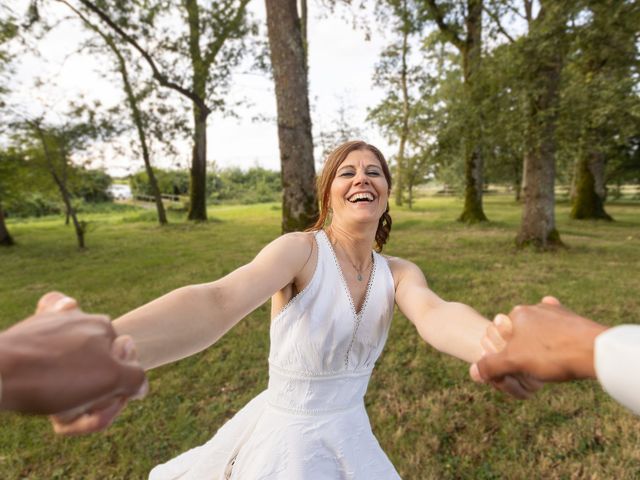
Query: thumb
(492, 367)
(549, 300)
(53, 302)
(474, 373)
(133, 382)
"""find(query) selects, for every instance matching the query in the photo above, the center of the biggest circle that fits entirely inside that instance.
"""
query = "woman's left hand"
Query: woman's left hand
(521, 386)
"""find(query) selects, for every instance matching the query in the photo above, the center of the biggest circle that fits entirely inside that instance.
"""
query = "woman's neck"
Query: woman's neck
(355, 244)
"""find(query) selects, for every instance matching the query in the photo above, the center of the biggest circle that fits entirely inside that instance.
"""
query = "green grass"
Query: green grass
(430, 419)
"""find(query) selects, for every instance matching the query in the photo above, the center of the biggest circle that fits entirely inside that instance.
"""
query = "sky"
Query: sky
(341, 65)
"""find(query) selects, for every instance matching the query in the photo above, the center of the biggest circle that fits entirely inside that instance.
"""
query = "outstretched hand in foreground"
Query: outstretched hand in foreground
(64, 360)
(546, 341)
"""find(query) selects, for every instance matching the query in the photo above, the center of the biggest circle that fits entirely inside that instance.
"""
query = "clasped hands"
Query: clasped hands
(534, 344)
(77, 369)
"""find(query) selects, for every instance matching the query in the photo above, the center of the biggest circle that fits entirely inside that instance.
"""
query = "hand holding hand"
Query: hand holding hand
(546, 341)
(516, 384)
(62, 358)
(100, 414)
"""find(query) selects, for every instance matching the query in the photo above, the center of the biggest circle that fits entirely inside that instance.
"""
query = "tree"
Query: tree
(342, 130)
(288, 59)
(464, 31)
(206, 47)
(394, 114)
(601, 98)
(8, 31)
(11, 166)
(55, 145)
(543, 52)
(137, 116)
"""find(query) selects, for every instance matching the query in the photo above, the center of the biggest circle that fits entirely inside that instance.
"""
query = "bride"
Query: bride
(332, 303)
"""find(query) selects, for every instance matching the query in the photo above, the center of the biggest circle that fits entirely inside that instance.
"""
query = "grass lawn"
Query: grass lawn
(431, 420)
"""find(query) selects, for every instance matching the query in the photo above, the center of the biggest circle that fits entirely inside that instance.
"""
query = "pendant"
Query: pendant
(359, 277)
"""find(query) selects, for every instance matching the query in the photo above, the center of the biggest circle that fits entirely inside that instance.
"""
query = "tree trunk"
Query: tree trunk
(198, 172)
(588, 202)
(304, 28)
(66, 198)
(518, 181)
(299, 203)
(5, 237)
(538, 226)
(200, 77)
(401, 164)
(472, 211)
(136, 116)
(61, 183)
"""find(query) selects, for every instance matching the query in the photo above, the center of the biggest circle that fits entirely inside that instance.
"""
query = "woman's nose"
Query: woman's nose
(361, 177)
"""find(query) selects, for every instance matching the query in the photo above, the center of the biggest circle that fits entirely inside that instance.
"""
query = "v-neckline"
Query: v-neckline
(345, 285)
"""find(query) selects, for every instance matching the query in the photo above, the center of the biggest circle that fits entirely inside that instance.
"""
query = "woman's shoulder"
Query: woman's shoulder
(293, 245)
(304, 240)
(398, 264)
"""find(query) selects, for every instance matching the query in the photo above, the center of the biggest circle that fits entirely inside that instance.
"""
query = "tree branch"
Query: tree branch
(496, 19)
(230, 26)
(157, 74)
(444, 27)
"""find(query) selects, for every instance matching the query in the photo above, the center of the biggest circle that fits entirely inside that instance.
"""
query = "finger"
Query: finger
(504, 326)
(494, 337)
(123, 348)
(513, 387)
(55, 302)
(530, 383)
(487, 346)
(549, 300)
(494, 367)
(68, 416)
(474, 373)
(89, 422)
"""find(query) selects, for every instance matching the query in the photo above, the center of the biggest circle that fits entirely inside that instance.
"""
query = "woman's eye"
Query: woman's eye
(346, 174)
(373, 173)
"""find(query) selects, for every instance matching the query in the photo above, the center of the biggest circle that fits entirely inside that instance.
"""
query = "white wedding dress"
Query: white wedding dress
(310, 423)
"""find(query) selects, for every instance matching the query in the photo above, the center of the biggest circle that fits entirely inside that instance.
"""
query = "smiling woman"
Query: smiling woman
(328, 328)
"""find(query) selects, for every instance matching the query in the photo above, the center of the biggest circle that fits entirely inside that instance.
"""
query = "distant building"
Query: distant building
(120, 191)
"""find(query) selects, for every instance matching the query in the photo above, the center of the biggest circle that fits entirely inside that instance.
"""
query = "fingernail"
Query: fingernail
(129, 347)
(62, 303)
(499, 320)
(475, 373)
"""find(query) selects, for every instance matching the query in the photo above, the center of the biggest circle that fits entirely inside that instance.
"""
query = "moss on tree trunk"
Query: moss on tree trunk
(588, 202)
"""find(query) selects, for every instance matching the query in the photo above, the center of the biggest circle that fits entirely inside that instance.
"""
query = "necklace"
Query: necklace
(359, 271)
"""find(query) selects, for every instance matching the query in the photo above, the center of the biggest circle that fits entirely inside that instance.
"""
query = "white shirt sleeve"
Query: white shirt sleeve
(617, 364)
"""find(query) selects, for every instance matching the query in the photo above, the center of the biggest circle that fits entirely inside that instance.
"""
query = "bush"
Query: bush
(92, 186)
(34, 205)
(229, 185)
(170, 182)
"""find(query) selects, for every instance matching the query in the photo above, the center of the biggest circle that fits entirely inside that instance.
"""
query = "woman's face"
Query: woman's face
(359, 191)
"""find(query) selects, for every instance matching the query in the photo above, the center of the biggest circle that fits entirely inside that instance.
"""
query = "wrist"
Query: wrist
(583, 365)
(15, 378)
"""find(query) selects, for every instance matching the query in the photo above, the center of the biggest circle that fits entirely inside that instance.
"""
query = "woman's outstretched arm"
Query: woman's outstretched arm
(450, 327)
(190, 319)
